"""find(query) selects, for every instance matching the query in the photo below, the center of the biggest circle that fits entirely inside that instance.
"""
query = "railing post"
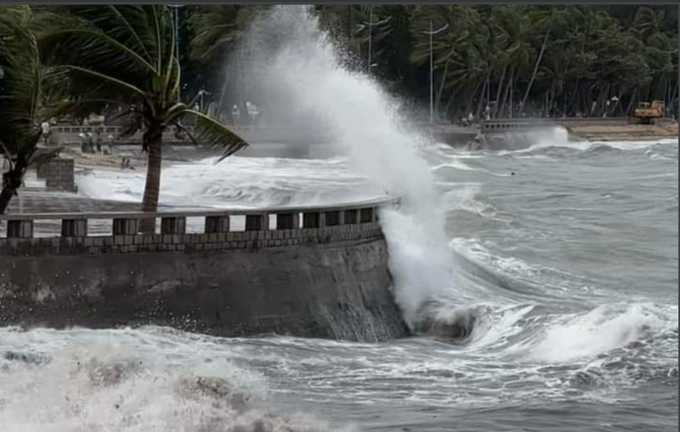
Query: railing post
(74, 228)
(173, 225)
(19, 228)
(217, 224)
(125, 226)
(258, 222)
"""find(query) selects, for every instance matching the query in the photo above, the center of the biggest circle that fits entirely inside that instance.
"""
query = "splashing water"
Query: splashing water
(569, 268)
(363, 120)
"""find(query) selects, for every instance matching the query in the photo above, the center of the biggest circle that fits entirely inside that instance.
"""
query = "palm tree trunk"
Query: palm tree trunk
(632, 100)
(11, 182)
(498, 92)
(602, 100)
(470, 99)
(480, 103)
(507, 92)
(350, 24)
(574, 96)
(533, 75)
(441, 87)
(153, 137)
(448, 104)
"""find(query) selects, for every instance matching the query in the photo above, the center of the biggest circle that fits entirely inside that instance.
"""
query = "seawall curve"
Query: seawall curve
(301, 271)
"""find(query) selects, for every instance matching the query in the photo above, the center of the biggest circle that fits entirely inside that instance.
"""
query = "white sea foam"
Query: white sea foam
(363, 120)
(598, 331)
(131, 381)
(558, 137)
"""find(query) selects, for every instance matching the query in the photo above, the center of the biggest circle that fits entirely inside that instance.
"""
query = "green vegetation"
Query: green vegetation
(532, 60)
(24, 96)
(514, 59)
(102, 57)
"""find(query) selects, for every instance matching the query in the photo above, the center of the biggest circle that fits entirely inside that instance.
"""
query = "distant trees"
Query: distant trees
(516, 59)
(539, 60)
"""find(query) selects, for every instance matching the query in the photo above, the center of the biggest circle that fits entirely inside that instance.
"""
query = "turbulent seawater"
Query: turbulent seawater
(570, 267)
(562, 256)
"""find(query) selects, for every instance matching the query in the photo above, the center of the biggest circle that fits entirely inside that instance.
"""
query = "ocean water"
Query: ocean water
(569, 266)
(562, 257)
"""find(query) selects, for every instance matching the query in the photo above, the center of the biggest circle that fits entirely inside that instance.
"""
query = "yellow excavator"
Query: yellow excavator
(648, 113)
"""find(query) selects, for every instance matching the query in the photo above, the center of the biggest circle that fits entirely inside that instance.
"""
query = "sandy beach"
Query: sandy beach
(633, 132)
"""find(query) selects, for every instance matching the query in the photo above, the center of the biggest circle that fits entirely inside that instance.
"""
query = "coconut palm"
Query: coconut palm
(456, 50)
(517, 51)
(22, 96)
(544, 20)
(125, 55)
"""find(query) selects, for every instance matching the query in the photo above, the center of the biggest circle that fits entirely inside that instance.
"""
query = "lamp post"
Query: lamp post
(370, 25)
(432, 33)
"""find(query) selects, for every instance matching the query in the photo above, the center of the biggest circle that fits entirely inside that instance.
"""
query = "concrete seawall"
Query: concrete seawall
(320, 272)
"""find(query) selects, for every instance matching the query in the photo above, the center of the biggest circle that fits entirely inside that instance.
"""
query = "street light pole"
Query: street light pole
(370, 38)
(432, 33)
(370, 25)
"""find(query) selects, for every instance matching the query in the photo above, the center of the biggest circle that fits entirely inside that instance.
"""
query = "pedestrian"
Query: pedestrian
(98, 140)
(90, 142)
(45, 126)
(235, 114)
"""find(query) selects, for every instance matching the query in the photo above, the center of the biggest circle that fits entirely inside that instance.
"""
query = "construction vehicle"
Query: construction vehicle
(648, 113)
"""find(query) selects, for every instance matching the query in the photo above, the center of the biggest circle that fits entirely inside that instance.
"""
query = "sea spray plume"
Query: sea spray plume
(303, 72)
(254, 77)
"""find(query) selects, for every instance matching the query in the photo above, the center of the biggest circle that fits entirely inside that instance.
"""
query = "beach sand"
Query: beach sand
(633, 132)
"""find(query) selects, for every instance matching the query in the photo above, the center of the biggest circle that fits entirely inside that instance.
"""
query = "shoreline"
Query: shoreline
(186, 154)
(633, 132)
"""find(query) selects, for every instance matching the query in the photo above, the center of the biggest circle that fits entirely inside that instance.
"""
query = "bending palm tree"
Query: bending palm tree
(21, 97)
(125, 55)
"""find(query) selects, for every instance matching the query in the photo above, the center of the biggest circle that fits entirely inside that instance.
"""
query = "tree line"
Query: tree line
(557, 60)
(149, 63)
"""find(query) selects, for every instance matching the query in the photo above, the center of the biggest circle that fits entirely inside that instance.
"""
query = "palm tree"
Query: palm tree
(125, 55)
(21, 100)
(456, 49)
(514, 22)
(544, 18)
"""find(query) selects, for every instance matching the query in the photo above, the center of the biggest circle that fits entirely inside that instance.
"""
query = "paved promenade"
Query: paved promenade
(34, 198)
(38, 200)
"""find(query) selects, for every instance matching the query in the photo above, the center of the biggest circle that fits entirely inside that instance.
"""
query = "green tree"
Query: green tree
(22, 99)
(125, 55)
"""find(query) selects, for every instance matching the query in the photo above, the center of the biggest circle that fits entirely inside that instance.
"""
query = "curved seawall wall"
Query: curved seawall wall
(320, 272)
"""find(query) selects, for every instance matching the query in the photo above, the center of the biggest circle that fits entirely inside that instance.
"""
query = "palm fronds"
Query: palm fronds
(20, 86)
(214, 135)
